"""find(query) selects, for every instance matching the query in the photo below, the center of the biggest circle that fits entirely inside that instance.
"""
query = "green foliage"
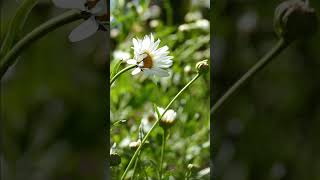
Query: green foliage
(133, 97)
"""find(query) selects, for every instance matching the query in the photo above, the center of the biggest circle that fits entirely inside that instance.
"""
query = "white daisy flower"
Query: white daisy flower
(150, 59)
(147, 121)
(97, 10)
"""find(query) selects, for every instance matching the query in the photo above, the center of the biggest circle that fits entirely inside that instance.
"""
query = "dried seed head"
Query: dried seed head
(294, 19)
(115, 159)
(202, 67)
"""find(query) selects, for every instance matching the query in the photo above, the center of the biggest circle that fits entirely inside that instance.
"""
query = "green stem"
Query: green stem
(274, 52)
(167, 6)
(162, 150)
(135, 166)
(188, 174)
(115, 77)
(155, 124)
(42, 30)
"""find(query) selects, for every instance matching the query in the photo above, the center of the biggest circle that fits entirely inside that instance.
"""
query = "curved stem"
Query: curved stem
(115, 77)
(156, 123)
(275, 51)
(36, 34)
(162, 150)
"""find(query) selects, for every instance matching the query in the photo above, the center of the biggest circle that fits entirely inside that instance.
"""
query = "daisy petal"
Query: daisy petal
(135, 43)
(70, 4)
(131, 61)
(155, 45)
(160, 72)
(161, 50)
(136, 71)
(147, 72)
(84, 30)
(100, 8)
(151, 38)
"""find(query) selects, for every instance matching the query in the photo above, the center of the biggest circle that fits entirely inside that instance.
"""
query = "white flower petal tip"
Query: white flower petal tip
(153, 60)
(84, 30)
(136, 71)
(131, 61)
(100, 8)
(96, 8)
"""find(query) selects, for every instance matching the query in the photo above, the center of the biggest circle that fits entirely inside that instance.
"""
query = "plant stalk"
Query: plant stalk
(162, 150)
(135, 166)
(115, 77)
(155, 124)
(274, 52)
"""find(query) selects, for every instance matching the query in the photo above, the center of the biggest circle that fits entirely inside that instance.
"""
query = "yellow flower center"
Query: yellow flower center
(147, 61)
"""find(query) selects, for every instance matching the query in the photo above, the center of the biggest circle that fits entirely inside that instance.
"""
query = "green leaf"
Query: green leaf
(16, 25)
(156, 110)
(116, 68)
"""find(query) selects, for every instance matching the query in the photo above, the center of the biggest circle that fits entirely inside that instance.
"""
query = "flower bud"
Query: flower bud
(202, 66)
(193, 167)
(135, 144)
(294, 19)
(115, 159)
(168, 119)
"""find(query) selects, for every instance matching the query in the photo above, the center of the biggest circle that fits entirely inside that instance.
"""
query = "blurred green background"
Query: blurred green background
(184, 27)
(54, 103)
(269, 130)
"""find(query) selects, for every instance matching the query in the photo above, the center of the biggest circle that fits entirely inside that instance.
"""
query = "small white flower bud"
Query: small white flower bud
(202, 66)
(168, 119)
(115, 159)
(135, 144)
(193, 167)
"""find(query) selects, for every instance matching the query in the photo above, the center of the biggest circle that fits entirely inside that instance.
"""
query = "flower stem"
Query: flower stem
(162, 150)
(274, 52)
(115, 77)
(156, 123)
(135, 166)
(167, 6)
(65, 18)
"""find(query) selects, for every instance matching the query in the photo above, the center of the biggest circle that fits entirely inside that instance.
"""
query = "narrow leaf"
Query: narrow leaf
(156, 110)
(17, 24)
(116, 68)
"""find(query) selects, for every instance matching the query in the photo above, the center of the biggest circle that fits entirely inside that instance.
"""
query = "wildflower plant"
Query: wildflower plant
(159, 91)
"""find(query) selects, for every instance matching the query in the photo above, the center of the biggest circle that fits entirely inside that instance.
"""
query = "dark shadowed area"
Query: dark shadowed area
(54, 103)
(269, 130)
